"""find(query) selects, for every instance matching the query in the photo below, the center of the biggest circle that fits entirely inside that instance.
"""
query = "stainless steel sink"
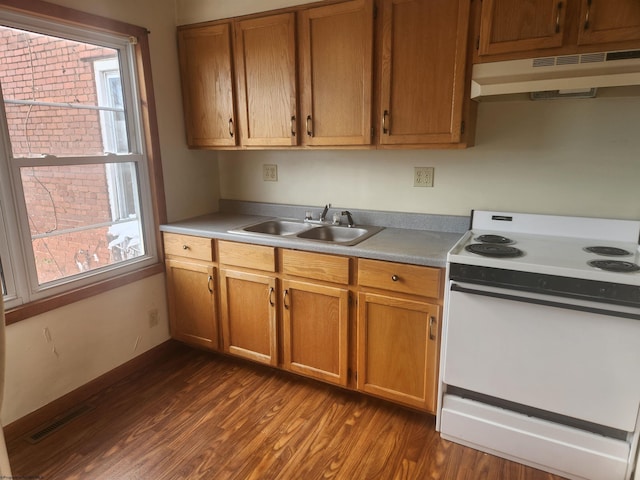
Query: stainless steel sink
(295, 229)
(277, 227)
(338, 234)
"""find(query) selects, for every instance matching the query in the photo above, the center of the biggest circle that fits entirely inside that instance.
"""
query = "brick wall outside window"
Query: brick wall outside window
(46, 69)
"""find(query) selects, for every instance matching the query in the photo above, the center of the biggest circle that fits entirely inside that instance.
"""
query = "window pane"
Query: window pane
(82, 217)
(60, 100)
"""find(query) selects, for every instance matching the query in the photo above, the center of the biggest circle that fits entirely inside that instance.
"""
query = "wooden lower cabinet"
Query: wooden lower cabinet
(315, 330)
(249, 315)
(192, 302)
(398, 349)
(391, 338)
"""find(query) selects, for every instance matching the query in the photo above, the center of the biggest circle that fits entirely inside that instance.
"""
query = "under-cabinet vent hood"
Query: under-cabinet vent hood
(567, 73)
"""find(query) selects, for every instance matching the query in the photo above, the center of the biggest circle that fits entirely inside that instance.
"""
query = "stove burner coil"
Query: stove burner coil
(498, 239)
(494, 250)
(607, 251)
(617, 266)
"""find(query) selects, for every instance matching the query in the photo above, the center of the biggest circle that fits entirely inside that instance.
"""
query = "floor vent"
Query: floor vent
(57, 423)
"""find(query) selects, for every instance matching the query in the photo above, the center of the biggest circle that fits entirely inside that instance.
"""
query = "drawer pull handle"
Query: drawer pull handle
(432, 322)
(185, 247)
(293, 125)
(395, 278)
(210, 283)
(271, 297)
(559, 8)
(231, 128)
(385, 115)
(284, 299)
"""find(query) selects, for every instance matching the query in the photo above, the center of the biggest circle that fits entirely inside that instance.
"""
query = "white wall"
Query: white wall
(98, 334)
(572, 157)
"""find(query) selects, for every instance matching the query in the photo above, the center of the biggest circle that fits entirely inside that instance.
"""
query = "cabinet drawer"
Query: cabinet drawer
(245, 255)
(397, 277)
(317, 266)
(199, 248)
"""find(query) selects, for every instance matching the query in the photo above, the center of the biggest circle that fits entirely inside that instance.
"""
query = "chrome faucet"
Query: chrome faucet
(323, 215)
(350, 222)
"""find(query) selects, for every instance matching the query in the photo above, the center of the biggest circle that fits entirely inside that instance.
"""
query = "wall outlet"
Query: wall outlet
(270, 173)
(423, 176)
(153, 317)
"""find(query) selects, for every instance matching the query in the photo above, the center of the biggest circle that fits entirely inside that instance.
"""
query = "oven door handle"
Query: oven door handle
(547, 303)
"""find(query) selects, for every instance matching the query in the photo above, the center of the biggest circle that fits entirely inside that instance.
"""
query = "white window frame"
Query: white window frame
(19, 266)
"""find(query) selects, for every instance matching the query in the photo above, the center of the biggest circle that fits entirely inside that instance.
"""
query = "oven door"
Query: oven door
(574, 358)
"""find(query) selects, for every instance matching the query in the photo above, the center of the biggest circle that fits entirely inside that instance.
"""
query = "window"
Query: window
(75, 192)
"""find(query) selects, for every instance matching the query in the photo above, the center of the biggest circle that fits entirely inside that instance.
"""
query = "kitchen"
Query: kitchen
(570, 157)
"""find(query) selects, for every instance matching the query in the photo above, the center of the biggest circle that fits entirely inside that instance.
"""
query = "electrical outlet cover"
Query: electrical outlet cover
(270, 173)
(423, 177)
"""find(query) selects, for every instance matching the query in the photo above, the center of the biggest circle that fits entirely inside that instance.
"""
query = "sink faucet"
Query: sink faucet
(350, 222)
(323, 215)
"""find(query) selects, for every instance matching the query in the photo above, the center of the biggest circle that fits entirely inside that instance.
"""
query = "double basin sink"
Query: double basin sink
(320, 232)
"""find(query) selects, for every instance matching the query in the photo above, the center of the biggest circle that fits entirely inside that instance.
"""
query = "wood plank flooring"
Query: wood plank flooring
(198, 415)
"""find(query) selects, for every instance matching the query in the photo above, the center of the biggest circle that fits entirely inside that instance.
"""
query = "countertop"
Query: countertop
(418, 247)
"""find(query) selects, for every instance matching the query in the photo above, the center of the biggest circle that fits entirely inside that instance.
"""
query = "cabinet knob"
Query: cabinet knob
(395, 278)
(185, 247)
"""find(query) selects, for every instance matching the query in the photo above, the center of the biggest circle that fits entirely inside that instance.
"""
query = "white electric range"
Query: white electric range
(540, 354)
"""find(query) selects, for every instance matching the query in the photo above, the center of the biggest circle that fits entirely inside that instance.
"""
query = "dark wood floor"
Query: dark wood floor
(204, 416)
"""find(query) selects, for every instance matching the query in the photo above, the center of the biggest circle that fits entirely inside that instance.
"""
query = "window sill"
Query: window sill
(32, 309)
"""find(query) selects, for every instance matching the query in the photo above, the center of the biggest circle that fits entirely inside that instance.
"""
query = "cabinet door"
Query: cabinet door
(207, 85)
(604, 21)
(191, 301)
(424, 45)
(249, 315)
(266, 78)
(514, 26)
(336, 54)
(315, 330)
(398, 349)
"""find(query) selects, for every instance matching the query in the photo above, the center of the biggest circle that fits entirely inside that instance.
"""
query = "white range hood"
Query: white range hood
(565, 74)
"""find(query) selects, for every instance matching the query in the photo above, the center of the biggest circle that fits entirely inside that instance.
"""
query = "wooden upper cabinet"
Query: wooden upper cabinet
(511, 26)
(511, 29)
(423, 60)
(265, 53)
(605, 21)
(206, 71)
(336, 54)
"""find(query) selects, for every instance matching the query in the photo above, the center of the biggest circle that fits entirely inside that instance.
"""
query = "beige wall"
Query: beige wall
(194, 11)
(571, 157)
